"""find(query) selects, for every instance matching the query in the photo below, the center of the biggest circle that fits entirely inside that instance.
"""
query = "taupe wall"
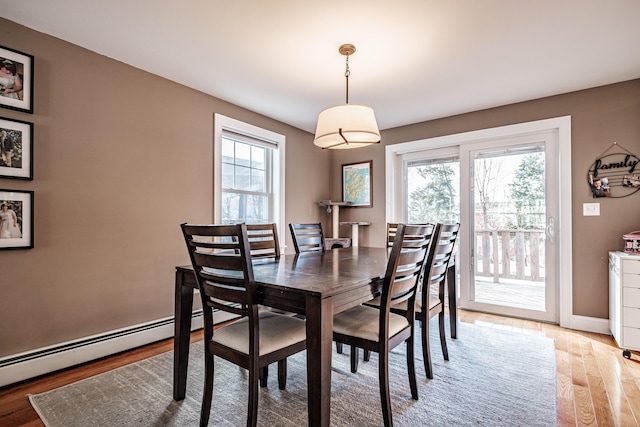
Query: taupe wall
(122, 157)
(599, 116)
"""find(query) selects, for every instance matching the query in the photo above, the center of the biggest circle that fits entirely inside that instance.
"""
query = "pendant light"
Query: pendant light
(348, 125)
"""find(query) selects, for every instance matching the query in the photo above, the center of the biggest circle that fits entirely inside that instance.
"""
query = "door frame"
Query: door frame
(561, 126)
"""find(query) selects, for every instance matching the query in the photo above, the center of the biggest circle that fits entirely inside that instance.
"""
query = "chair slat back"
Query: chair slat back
(392, 228)
(406, 265)
(443, 247)
(307, 237)
(263, 240)
(221, 259)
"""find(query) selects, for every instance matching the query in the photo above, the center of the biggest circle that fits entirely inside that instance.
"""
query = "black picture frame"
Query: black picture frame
(358, 192)
(16, 220)
(18, 135)
(18, 65)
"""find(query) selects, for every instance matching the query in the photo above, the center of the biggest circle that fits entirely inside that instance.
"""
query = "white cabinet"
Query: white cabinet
(624, 299)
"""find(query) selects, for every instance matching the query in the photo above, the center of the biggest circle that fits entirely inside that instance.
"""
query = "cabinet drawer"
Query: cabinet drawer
(631, 317)
(632, 280)
(631, 297)
(631, 338)
(631, 266)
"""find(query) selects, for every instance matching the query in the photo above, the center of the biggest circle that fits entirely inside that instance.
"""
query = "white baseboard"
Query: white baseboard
(589, 324)
(22, 366)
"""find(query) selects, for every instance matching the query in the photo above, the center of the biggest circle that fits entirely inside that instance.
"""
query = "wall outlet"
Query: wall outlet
(591, 209)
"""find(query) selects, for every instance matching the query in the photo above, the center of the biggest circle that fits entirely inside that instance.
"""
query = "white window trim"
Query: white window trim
(222, 123)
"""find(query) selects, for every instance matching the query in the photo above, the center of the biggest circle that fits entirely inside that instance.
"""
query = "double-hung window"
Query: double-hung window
(249, 174)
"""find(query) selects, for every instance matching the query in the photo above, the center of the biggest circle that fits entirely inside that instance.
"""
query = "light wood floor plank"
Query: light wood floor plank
(601, 404)
(585, 413)
(629, 380)
(609, 364)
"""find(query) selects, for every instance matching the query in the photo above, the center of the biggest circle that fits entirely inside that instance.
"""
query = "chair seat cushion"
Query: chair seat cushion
(364, 322)
(434, 300)
(276, 331)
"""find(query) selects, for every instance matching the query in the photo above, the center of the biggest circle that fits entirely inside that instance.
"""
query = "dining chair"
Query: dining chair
(263, 243)
(221, 259)
(392, 228)
(430, 300)
(307, 237)
(380, 330)
(263, 240)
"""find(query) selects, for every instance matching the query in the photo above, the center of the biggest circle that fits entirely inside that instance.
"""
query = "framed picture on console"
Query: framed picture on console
(16, 80)
(16, 219)
(16, 149)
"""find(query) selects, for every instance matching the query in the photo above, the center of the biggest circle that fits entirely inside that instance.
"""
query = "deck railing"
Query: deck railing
(510, 254)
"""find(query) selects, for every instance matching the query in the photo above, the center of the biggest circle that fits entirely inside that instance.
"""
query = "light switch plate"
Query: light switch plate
(591, 209)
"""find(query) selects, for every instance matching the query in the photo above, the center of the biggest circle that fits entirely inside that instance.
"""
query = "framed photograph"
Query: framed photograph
(16, 219)
(16, 149)
(356, 184)
(16, 80)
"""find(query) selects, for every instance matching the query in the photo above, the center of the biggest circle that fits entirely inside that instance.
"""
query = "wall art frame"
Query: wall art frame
(16, 219)
(16, 80)
(614, 174)
(356, 184)
(16, 149)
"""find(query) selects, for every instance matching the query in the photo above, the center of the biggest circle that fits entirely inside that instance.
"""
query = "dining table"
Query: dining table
(316, 285)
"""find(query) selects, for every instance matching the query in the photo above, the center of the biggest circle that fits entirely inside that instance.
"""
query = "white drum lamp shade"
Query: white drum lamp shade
(346, 126)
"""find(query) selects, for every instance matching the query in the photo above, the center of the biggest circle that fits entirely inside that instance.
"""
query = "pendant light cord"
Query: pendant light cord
(346, 76)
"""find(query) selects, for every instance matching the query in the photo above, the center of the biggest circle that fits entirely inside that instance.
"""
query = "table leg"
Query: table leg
(319, 314)
(182, 331)
(453, 300)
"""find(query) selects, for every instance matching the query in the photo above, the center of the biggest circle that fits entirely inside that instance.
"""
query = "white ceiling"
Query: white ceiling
(416, 60)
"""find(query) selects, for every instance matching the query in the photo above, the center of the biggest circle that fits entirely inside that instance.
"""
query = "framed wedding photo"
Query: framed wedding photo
(16, 149)
(356, 184)
(16, 219)
(16, 80)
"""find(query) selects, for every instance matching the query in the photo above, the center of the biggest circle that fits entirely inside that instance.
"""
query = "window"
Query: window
(248, 174)
(432, 190)
(245, 188)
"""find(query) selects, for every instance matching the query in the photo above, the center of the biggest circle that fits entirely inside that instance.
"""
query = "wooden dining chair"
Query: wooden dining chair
(264, 243)
(430, 300)
(263, 240)
(380, 330)
(307, 237)
(392, 228)
(221, 259)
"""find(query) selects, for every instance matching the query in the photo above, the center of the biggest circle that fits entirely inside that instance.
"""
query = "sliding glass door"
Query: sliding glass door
(510, 199)
(504, 194)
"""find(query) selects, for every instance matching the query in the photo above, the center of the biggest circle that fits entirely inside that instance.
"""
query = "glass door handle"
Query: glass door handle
(550, 230)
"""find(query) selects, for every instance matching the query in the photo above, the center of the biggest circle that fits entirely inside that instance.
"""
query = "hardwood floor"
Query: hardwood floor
(595, 384)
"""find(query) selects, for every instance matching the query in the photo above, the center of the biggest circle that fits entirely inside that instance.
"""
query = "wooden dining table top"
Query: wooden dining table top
(338, 270)
(338, 274)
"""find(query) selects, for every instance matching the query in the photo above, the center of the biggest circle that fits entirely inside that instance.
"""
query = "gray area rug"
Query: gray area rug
(494, 378)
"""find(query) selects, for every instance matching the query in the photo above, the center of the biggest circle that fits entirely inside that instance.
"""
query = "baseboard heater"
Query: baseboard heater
(30, 364)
